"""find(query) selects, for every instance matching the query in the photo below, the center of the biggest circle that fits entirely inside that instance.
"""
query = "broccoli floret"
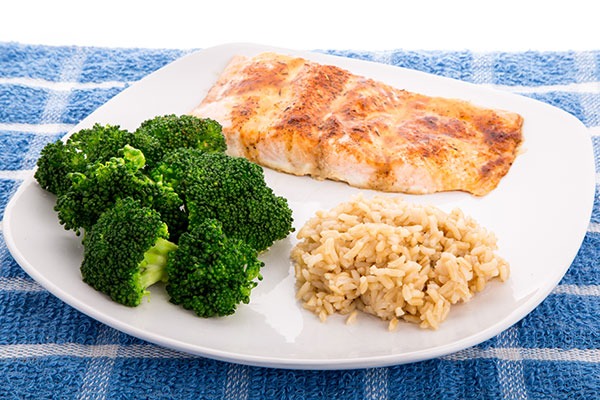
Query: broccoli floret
(170, 132)
(211, 273)
(165, 203)
(126, 251)
(84, 147)
(230, 189)
(97, 188)
(155, 137)
(175, 169)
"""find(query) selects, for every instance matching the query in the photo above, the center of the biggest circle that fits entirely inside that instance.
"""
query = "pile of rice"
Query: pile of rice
(393, 259)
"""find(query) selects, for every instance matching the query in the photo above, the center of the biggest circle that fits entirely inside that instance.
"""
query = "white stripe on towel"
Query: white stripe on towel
(510, 373)
(17, 175)
(106, 351)
(594, 227)
(586, 70)
(40, 129)
(99, 367)
(57, 102)
(582, 87)
(483, 72)
(375, 383)
(383, 57)
(236, 387)
(10, 351)
(586, 67)
(533, 354)
(19, 285)
(62, 86)
(578, 290)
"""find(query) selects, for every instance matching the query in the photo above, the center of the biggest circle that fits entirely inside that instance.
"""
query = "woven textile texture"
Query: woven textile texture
(49, 350)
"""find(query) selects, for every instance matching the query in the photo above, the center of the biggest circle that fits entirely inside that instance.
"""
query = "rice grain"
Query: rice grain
(393, 259)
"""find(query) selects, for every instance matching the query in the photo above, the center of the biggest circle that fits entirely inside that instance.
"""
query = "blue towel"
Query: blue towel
(49, 350)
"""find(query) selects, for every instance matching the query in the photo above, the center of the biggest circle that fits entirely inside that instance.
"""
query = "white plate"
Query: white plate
(540, 213)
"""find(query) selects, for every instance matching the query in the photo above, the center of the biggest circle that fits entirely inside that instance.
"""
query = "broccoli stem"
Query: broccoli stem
(153, 266)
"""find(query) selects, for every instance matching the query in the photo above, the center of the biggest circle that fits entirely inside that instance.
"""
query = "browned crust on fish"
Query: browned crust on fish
(305, 118)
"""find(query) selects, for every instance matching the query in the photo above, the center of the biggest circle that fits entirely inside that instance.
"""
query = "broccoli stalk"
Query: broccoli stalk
(153, 266)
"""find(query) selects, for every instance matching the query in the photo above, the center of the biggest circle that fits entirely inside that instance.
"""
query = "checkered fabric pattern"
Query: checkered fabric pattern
(50, 350)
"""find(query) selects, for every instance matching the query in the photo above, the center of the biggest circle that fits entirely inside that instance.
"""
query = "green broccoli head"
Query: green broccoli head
(175, 169)
(233, 190)
(165, 203)
(211, 273)
(166, 133)
(97, 188)
(230, 189)
(58, 159)
(126, 251)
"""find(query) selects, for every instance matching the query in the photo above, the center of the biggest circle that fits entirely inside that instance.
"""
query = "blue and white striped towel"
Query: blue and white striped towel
(50, 350)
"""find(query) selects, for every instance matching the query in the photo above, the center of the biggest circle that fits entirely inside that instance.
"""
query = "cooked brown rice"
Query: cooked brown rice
(392, 259)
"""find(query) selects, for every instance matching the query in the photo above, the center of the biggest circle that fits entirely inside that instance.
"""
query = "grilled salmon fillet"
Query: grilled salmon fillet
(305, 118)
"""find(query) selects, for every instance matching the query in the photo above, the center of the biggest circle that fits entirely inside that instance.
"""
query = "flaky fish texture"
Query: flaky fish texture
(306, 118)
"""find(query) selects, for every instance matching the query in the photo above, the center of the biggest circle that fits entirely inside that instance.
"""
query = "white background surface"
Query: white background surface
(307, 24)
